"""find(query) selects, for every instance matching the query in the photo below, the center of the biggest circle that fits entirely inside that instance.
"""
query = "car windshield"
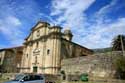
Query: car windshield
(18, 77)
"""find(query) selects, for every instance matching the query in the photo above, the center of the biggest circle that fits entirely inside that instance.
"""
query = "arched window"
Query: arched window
(48, 51)
(37, 44)
(27, 55)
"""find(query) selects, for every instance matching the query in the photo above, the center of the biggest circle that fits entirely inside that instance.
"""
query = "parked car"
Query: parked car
(28, 78)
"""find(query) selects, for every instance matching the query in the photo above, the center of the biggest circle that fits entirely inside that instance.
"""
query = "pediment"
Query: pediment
(40, 24)
(29, 37)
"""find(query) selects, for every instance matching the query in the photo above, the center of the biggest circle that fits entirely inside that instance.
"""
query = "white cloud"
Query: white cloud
(13, 20)
(9, 27)
(107, 8)
(104, 29)
(70, 11)
(96, 35)
(101, 35)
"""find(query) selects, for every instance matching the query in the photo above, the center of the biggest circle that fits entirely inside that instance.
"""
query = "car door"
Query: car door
(39, 79)
(27, 79)
(33, 79)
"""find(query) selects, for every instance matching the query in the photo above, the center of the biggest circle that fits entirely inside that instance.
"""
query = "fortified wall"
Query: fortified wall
(10, 59)
(97, 65)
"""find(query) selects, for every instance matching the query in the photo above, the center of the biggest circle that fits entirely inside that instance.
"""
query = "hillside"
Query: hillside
(102, 50)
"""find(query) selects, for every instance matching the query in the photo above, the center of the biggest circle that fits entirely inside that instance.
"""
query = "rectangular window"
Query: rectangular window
(48, 52)
(35, 69)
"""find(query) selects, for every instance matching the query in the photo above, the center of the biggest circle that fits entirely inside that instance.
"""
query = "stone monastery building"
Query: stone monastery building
(45, 48)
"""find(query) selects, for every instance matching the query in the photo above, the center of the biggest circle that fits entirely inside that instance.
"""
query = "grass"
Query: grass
(118, 81)
(98, 81)
(2, 80)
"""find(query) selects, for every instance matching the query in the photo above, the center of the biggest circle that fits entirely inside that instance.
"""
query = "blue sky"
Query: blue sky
(94, 23)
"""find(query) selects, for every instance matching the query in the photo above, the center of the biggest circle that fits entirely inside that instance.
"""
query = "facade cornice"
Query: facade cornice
(53, 35)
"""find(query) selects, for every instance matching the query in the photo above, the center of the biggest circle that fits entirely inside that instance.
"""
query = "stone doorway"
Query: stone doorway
(35, 69)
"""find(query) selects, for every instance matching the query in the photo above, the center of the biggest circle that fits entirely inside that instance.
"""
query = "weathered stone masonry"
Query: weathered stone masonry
(46, 46)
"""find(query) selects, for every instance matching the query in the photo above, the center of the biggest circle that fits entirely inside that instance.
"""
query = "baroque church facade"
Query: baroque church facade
(45, 48)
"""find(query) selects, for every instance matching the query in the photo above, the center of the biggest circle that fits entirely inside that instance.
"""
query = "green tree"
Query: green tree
(120, 67)
(118, 43)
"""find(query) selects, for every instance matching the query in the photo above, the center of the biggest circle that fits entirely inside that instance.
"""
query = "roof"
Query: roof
(11, 48)
(55, 27)
(78, 45)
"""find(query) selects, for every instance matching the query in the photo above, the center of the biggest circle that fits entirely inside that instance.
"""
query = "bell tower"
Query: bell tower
(52, 61)
(68, 34)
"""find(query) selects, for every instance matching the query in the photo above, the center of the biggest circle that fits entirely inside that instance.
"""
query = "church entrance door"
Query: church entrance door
(35, 68)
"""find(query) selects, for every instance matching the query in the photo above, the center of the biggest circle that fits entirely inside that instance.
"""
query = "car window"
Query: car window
(18, 77)
(32, 77)
(38, 77)
(26, 78)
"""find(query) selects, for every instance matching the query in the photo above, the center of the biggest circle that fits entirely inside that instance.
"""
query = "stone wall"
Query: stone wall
(71, 49)
(97, 65)
(2, 53)
(11, 60)
(7, 76)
